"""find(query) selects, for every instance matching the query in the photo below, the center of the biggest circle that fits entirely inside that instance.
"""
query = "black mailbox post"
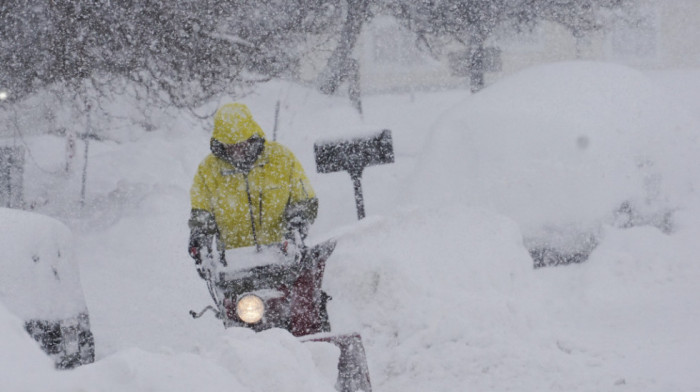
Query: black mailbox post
(353, 156)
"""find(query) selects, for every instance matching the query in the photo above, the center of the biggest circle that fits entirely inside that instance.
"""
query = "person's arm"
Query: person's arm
(201, 223)
(302, 207)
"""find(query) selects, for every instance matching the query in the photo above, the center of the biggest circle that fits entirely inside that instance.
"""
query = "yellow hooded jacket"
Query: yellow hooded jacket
(249, 206)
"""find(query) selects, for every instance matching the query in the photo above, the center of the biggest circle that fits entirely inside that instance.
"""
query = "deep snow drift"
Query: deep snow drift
(438, 278)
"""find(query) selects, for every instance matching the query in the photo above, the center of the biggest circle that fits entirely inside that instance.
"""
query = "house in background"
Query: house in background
(664, 34)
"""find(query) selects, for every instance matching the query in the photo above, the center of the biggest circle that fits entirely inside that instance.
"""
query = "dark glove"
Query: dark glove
(202, 229)
(202, 273)
(299, 216)
(196, 246)
(299, 225)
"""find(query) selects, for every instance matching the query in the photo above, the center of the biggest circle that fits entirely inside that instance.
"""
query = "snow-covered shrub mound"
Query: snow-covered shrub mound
(562, 144)
(423, 285)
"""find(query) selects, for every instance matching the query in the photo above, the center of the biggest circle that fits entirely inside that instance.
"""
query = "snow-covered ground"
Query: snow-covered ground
(437, 278)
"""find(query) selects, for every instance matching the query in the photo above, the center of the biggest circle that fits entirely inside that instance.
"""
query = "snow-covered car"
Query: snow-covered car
(40, 283)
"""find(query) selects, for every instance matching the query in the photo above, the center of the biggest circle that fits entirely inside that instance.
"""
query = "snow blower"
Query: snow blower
(279, 286)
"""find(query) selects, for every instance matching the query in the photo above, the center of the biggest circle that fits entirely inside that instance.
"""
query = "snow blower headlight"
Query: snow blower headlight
(250, 308)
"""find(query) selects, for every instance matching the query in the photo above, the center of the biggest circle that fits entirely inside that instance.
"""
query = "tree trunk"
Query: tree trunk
(340, 63)
(476, 65)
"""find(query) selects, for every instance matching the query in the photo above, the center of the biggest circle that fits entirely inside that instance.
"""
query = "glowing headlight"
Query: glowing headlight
(250, 308)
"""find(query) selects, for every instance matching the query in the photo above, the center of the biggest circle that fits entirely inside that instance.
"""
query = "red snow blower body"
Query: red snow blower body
(279, 286)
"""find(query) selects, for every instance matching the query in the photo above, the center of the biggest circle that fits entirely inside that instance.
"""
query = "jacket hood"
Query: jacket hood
(233, 123)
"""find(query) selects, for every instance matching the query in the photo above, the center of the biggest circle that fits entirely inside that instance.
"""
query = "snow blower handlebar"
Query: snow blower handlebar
(353, 156)
(215, 253)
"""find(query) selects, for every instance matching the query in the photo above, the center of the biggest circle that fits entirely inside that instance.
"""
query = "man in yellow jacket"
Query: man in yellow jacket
(249, 191)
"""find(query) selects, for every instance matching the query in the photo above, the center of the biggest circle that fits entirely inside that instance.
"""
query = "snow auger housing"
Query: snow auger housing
(279, 286)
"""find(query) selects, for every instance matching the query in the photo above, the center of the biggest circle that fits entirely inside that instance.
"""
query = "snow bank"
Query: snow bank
(24, 366)
(238, 360)
(450, 299)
